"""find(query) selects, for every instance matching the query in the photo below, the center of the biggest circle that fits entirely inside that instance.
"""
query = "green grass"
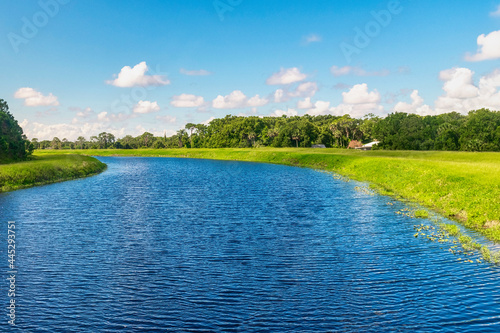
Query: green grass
(460, 185)
(45, 169)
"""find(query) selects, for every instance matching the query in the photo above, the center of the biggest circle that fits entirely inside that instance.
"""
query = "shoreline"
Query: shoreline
(47, 169)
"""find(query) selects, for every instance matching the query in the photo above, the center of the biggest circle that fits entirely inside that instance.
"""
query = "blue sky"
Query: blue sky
(64, 62)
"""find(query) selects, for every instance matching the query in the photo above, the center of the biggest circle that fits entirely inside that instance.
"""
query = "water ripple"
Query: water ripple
(207, 246)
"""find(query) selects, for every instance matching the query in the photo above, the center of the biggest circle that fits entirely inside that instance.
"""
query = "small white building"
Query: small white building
(368, 146)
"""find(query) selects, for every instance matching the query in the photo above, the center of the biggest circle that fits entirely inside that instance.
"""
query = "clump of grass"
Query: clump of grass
(421, 214)
(468, 243)
(451, 229)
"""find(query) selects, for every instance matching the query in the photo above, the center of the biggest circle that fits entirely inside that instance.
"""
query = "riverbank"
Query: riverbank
(459, 185)
(47, 168)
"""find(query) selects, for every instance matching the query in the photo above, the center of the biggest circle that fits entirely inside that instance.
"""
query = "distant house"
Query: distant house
(368, 146)
(354, 144)
(318, 146)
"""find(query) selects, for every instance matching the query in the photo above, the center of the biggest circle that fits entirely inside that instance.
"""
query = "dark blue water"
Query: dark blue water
(159, 245)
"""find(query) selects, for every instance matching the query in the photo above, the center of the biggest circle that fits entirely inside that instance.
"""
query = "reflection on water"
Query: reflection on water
(191, 245)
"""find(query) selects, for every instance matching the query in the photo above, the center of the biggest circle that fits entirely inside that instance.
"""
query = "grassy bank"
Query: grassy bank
(47, 168)
(463, 186)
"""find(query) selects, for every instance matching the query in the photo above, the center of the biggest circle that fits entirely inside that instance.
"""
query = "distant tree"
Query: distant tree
(80, 141)
(191, 127)
(56, 143)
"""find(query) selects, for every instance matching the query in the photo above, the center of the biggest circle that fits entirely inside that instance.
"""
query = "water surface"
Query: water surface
(157, 244)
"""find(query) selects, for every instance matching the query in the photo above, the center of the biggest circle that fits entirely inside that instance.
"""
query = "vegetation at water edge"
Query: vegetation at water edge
(47, 169)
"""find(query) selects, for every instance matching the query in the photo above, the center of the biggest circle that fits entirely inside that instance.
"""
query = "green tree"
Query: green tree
(14, 145)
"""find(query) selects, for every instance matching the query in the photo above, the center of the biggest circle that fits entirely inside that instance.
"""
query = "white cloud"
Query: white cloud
(320, 108)
(234, 100)
(85, 113)
(417, 105)
(257, 101)
(34, 98)
(306, 89)
(237, 100)
(303, 90)
(488, 47)
(357, 102)
(167, 119)
(286, 76)
(356, 71)
(146, 107)
(69, 131)
(208, 121)
(200, 72)
(459, 83)
(312, 38)
(187, 101)
(305, 104)
(136, 76)
(496, 13)
(359, 94)
(102, 116)
(279, 96)
(288, 113)
(462, 95)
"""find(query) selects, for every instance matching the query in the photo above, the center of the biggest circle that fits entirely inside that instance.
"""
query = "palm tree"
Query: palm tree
(191, 127)
(296, 137)
(251, 136)
(80, 141)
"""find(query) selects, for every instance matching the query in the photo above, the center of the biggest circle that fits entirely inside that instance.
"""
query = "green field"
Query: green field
(460, 185)
(45, 169)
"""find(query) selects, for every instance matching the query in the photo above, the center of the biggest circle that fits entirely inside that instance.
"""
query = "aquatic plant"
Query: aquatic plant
(422, 214)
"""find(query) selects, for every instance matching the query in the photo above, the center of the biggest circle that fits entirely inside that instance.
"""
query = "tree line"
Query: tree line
(479, 130)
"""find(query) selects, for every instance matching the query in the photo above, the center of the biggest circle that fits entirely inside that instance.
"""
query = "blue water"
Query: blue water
(156, 244)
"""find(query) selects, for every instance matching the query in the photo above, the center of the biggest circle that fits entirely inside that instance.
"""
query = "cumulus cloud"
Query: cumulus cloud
(279, 95)
(488, 47)
(187, 101)
(303, 90)
(257, 101)
(146, 107)
(320, 108)
(459, 83)
(288, 113)
(237, 100)
(34, 98)
(70, 131)
(462, 95)
(136, 76)
(357, 102)
(85, 113)
(305, 104)
(356, 71)
(200, 72)
(286, 76)
(359, 94)
(416, 106)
